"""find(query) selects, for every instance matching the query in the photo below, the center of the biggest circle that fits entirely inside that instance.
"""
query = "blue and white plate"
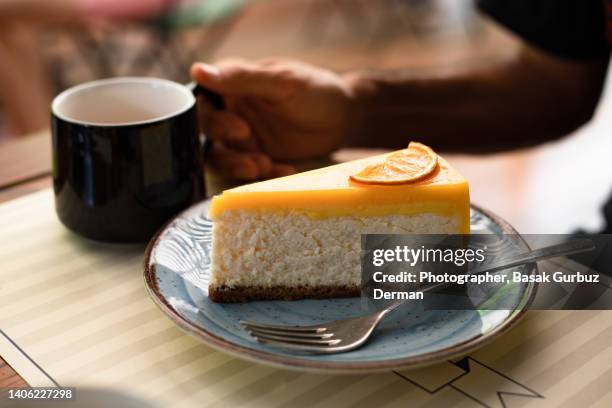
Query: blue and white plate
(177, 269)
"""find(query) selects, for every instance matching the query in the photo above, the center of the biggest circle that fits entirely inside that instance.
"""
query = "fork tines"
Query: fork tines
(294, 337)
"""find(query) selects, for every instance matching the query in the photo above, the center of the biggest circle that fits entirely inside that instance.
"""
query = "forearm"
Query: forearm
(511, 102)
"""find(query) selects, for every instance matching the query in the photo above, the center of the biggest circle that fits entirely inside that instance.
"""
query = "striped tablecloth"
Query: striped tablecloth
(75, 313)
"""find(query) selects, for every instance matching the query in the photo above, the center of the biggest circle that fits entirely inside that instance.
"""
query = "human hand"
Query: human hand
(276, 110)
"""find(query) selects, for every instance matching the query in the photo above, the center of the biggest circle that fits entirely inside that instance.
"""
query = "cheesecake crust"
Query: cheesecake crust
(240, 294)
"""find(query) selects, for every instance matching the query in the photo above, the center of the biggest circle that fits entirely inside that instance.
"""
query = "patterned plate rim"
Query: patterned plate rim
(339, 367)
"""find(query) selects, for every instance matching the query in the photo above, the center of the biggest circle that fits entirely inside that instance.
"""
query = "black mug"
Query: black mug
(127, 156)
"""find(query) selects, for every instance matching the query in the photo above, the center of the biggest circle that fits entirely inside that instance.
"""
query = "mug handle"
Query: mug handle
(214, 98)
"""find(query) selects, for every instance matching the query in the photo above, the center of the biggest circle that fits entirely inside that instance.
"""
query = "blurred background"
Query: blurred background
(49, 45)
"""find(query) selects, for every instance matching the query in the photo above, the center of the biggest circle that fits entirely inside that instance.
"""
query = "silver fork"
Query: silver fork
(348, 334)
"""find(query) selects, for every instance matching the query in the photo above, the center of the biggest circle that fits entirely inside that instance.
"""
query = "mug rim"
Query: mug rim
(61, 97)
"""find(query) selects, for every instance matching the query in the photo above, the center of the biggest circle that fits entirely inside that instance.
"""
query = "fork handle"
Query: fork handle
(566, 248)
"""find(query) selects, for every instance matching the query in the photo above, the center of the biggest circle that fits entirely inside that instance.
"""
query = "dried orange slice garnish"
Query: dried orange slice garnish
(406, 166)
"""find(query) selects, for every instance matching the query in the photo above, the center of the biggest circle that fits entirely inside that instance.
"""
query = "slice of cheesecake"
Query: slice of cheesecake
(299, 237)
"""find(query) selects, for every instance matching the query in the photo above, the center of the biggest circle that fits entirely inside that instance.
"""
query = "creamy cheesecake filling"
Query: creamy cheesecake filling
(271, 249)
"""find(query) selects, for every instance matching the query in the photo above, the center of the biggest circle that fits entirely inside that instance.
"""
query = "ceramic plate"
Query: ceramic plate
(177, 269)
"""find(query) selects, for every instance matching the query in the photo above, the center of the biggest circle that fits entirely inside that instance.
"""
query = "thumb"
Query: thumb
(241, 78)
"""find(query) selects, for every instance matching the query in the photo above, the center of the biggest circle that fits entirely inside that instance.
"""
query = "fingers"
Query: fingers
(243, 165)
(237, 77)
(281, 170)
(226, 126)
(263, 163)
(232, 163)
